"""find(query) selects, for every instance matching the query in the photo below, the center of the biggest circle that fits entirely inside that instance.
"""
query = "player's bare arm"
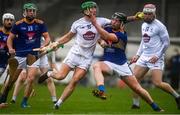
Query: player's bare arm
(104, 34)
(10, 43)
(47, 39)
(62, 40)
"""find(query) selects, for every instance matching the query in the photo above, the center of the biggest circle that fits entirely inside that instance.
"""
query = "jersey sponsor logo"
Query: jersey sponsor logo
(23, 28)
(146, 38)
(89, 35)
(30, 35)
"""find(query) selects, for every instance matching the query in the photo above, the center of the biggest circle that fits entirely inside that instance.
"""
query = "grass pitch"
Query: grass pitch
(82, 102)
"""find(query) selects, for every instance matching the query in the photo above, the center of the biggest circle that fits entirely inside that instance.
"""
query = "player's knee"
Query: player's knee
(60, 77)
(157, 84)
(96, 66)
(30, 79)
(49, 80)
(75, 81)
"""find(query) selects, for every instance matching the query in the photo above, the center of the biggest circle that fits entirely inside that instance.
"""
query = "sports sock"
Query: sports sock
(49, 73)
(59, 102)
(175, 94)
(24, 99)
(101, 88)
(54, 99)
(136, 101)
(154, 106)
(14, 98)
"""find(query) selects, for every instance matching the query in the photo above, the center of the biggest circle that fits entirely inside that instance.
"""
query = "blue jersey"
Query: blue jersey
(28, 36)
(116, 52)
(3, 49)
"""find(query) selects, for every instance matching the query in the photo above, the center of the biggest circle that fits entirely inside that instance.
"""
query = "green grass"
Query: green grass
(82, 102)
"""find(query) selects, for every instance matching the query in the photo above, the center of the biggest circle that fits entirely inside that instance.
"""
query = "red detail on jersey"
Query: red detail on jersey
(30, 35)
(89, 35)
(2, 45)
(146, 38)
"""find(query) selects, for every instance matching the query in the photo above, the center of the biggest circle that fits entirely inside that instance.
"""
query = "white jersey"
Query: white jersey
(86, 36)
(155, 39)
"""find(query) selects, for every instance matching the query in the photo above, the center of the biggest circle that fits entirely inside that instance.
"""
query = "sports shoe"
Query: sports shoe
(158, 109)
(54, 102)
(12, 101)
(3, 105)
(178, 102)
(135, 106)
(42, 77)
(99, 94)
(25, 105)
(56, 106)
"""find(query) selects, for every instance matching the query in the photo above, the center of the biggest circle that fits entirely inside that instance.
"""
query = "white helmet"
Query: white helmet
(7, 16)
(149, 8)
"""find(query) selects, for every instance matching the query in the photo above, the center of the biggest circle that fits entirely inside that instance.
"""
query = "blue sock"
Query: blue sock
(24, 100)
(154, 106)
(101, 88)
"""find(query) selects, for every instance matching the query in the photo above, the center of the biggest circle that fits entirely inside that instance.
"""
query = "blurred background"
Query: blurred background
(60, 14)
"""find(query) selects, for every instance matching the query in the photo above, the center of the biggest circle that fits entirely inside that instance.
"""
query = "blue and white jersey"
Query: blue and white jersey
(28, 36)
(116, 52)
(3, 49)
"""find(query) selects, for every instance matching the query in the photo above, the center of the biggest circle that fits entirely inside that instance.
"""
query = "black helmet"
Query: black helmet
(120, 16)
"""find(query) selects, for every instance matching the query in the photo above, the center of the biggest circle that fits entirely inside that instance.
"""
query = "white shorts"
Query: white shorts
(2, 71)
(42, 62)
(120, 70)
(144, 62)
(76, 60)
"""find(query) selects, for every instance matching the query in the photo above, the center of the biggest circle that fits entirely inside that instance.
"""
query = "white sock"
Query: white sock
(136, 101)
(14, 98)
(59, 102)
(54, 98)
(175, 94)
(49, 73)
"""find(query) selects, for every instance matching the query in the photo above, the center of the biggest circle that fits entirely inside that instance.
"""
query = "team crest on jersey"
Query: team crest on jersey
(146, 38)
(30, 35)
(89, 35)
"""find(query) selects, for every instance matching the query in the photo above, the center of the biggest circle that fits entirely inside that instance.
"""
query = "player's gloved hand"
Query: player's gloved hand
(139, 15)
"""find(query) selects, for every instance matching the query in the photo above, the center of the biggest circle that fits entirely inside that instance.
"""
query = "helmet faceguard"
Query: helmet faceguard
(29, 6)
(86, 6)
(120, 16)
